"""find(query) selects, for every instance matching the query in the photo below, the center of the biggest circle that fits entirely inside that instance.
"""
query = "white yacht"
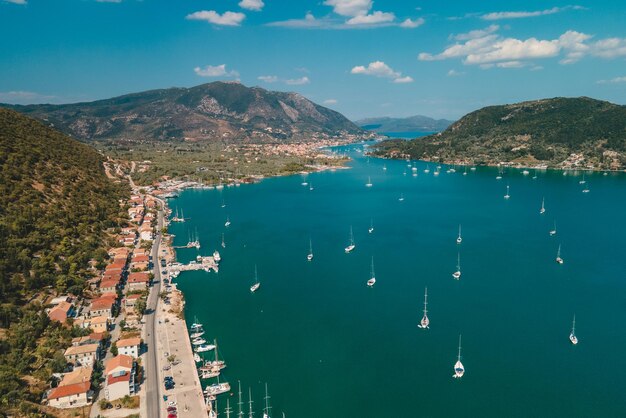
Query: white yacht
(457, 273)
(223, 242)
(459, 239)
(227, 223)
(425, 321)
(216, 256)
(369, 182)
(372, 281)
(384, 167)
(583, 181)
(459, 369)
(558, 255)
(507, 195)
(553, 230)
(543, 206)
(256, 284)
(572, 335)
(371, 228)
(204, 347)
(427, 169)
(401, 198)
(350, 247)
(198, 341)
(309, 256)
(311, 186)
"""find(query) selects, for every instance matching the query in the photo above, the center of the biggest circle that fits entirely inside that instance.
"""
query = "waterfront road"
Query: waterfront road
(153, 397)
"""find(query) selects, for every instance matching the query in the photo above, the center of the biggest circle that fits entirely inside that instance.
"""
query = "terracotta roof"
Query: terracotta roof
(141, 277)
(97, 336)
(134, 296)
(109, 282)
(80, 349)
(106, 301)
(111, 380)
(120, 360)
(140, 258)
(128, 342)
(78, 375)
(98, 319)
(63, 391)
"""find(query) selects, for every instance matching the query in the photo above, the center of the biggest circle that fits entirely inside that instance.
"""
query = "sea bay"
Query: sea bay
(329, 346)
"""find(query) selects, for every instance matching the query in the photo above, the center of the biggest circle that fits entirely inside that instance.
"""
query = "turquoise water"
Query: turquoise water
(328, 346)
(407, 135)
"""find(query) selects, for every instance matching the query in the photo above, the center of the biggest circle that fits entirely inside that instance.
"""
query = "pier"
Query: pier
(207, 264)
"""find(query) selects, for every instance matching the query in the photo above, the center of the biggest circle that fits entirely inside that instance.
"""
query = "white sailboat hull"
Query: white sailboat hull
(255, 287)
(350, 248)
(371, 282)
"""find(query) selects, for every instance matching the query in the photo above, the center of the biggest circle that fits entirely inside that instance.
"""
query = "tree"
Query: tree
(114, 349)
(140, 307)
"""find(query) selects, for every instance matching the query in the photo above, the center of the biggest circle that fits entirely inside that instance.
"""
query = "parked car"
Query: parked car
(166, 367)
(172, 403)
(171, 409)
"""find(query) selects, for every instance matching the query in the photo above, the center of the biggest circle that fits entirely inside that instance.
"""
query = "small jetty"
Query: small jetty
(207, 264)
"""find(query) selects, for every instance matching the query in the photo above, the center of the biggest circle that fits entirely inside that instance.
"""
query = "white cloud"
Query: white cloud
(16, 1)
(410, 24)
(405, 79)
(454, 73)
(297, 81)
(381, 70)
(512, 53)
(211, 16)
(330, 101)
(215, 71)
(615, 80)
(350, 8)
(268, 78)
(475, 34)
(23, 97)
(525, 14)
(371, 19)
(256, 5)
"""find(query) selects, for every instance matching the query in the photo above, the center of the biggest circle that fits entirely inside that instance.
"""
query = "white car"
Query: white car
(171, 403)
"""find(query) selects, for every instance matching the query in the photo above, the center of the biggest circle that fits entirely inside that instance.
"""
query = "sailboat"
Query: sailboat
(459, 239)
(250, 413)
(371, 228)
(384, 167)
(350, 247)
(256, 284)
(543, 206)
(240, 402)
(266, 410)
(213, 411)
(459, 369)
(228, 409)
(535, 175)
(304, 182)
(572, 335)
(457, 273)
(583, 181)
(309, 256)
(227, 223)
(369, 182)
(427, 169)
(401, 198)
(586, 189)
(223, 242)
(372, 281)
(223, 203)
(558, 255)
(311, 186)
(425, 321)
(499, 176)
(465, 172)
(553, 230)
(507, 196)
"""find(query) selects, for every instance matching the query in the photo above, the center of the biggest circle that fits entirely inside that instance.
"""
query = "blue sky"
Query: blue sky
(362, 58)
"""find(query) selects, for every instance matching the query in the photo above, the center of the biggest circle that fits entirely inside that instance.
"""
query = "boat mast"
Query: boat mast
(425, 300)
(228, 408)
(351, 236)
(267, 407)
(240, 403)
(574, 324)
(459, 356)
(250, 414)
(372, 272)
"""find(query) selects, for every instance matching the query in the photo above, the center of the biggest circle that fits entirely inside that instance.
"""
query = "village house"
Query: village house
(61, 312)
(120, 377)
(145, 232)
(71, 396)
(129, 347)
(131, 300)
(103, 305)
(85, 355)
(78, 375)
(138, 281)
(109, 285)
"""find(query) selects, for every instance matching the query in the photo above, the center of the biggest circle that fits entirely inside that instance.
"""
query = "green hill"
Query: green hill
(218, 111)
(541, 132)
(56, 203)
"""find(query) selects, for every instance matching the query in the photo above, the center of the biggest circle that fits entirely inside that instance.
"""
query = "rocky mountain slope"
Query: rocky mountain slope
(558, 132)
(226, 111)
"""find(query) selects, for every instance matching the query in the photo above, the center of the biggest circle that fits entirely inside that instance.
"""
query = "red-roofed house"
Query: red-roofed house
(129, 346)
(71, 396)
(103, 305)
(138, 281)
(109, 285)
(61, 312)
(120, 377)
(131, 300)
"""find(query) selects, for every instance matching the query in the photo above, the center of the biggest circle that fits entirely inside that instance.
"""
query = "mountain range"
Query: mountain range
(227, 111)
(410, 124)
(556, 132)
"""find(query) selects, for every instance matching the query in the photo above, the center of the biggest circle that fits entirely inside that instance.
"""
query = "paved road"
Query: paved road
(153, 396)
